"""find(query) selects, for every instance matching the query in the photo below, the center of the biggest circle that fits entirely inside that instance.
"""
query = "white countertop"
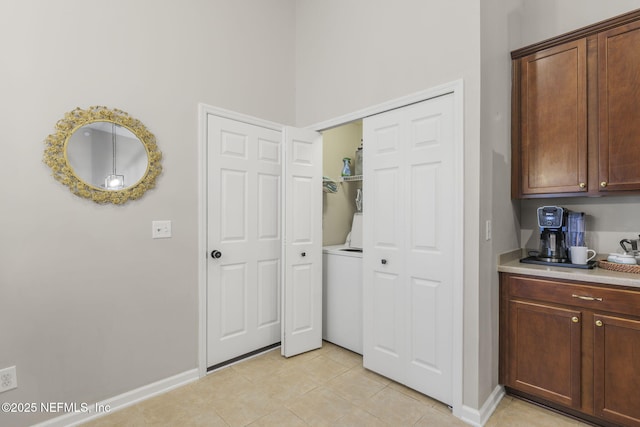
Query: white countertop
(510, 263)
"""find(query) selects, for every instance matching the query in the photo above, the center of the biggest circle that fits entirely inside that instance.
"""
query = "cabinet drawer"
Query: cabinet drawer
(623, 301)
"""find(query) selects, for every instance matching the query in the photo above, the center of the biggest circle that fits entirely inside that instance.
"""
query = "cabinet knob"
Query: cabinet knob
(383, 261)
(575, 319)
(603, 184)
(582, 185)
(598, 322)
(303, 254)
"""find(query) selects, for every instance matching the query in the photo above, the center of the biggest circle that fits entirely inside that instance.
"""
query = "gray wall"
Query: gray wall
(608, 220)
(544, 19)
(85, 329)
(92, 307)
(500, 26)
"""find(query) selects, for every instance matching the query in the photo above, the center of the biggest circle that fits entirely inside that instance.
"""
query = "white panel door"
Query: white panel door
(408, 252)
(302, 294)
(244, 182)
(383, 242)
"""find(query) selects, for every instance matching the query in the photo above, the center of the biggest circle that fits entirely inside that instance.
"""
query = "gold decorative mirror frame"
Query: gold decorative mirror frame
(55, 154)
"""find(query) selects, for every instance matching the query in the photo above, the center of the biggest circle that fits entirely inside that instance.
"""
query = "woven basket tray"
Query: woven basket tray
(624, 268)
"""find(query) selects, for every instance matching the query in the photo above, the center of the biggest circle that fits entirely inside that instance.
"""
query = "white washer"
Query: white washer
(342, 297)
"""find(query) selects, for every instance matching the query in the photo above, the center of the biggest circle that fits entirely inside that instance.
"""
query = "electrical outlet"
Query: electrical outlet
(161, 229)
(8, 379)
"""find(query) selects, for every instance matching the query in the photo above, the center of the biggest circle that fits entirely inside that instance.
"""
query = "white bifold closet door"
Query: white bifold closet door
(302, 322)
(408, 254)
(250, 268)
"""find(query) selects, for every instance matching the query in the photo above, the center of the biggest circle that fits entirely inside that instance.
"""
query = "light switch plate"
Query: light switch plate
(161, 229)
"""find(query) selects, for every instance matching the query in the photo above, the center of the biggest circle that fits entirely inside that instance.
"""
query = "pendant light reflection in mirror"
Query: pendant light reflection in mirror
(114, 181)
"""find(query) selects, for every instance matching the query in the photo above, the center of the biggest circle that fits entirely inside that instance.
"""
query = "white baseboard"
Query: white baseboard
(121, 401)
(480, 417)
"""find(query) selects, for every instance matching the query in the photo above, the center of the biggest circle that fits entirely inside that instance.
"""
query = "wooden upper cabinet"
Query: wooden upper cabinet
(553, 99)
(576, 112)
(619, 108)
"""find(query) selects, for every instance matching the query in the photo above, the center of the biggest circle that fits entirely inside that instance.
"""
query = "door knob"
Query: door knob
(216, 254)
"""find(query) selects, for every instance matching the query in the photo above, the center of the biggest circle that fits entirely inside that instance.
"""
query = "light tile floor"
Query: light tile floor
(325, 387)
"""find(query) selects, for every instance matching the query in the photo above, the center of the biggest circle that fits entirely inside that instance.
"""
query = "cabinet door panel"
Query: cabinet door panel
(617, 369)
(544, 348)
(619, 93)
(554, 120)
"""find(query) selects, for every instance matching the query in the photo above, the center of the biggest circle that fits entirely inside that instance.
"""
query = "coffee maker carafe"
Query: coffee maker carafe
(552, 221)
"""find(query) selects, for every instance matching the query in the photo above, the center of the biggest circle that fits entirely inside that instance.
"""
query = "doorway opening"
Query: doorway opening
(339, 143)
(342, 217)
(454, 88)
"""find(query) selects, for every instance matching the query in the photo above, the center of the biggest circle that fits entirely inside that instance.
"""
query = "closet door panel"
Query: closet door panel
(429, 251)
(302, 224)
(408, 256)
(383, 276)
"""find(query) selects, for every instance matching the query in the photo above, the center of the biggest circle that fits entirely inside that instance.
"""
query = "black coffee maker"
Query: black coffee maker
(552, 221)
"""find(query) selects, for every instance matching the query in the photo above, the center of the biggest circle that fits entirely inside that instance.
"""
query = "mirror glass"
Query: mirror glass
(106, 155)
(103, 154)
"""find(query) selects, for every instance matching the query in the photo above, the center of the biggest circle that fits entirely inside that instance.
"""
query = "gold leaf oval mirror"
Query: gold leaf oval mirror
(103, 154)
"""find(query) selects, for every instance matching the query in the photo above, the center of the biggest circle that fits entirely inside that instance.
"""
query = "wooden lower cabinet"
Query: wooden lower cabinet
(616, 369)
(572, 346)
(550, 366)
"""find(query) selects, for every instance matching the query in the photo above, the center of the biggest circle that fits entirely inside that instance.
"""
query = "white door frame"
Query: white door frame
(457, 89)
